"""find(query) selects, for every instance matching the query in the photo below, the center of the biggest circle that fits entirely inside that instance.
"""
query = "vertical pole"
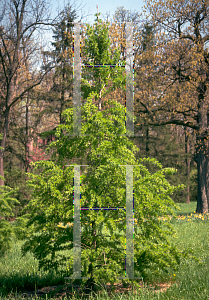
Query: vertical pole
(129, 80)
(129, 224)
(77, 225)
(76, 82)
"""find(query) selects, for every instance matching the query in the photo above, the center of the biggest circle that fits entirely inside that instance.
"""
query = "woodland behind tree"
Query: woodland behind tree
(171, 65)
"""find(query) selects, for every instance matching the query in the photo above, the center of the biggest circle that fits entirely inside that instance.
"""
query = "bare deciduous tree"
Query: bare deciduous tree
(20, 23)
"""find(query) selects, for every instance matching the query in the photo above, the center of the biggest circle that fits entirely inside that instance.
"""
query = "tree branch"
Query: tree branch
(177, 122)
(35, 24)
(147, 110)
(29, 88)
(206, 38)
(3, 65)
(187, 36)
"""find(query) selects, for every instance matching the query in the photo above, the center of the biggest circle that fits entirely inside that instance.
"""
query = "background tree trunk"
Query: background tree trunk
(3, 141)
(188, 163)
(202, 171)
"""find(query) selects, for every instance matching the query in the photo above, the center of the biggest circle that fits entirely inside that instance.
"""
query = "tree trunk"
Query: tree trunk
(62, 100)
(1, 167)
(100, 104)
(202, 171)
(187, 162)
(3, 143)
(147, 142)
(202, 151)
(27, 134)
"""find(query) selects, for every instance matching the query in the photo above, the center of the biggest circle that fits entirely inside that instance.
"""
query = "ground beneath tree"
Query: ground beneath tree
(62, 291)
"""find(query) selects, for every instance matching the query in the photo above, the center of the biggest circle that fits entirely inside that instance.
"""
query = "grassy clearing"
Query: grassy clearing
(186, 209)
(19, 274)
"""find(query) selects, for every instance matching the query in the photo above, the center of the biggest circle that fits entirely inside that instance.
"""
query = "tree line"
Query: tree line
(170, 91)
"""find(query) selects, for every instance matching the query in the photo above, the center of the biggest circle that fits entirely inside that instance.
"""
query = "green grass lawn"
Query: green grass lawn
(186, 208)
(190, 282)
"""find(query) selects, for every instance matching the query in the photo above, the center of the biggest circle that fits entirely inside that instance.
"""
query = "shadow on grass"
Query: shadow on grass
(74, 291)
(19, 283)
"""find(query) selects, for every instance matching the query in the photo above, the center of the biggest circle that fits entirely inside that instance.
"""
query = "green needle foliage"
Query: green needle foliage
(97, 51)
(6, 206)
(102, 147)
(7, 202)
